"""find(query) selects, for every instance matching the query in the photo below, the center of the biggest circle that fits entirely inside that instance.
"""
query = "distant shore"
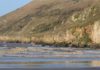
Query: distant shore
(38, 41)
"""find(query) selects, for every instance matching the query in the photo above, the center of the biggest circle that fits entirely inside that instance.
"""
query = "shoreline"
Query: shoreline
(50, 45)
(43, 42)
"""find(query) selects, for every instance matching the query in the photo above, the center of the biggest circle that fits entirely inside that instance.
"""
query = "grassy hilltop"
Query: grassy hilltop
(59, 22)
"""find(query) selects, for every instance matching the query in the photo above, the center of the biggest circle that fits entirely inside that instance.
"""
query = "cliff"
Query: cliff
(59, 22)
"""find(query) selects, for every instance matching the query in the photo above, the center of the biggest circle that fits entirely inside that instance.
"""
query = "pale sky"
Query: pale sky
(7, 6)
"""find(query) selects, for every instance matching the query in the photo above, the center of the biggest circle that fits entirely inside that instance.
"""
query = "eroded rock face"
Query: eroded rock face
(54, 21)
(96, 32)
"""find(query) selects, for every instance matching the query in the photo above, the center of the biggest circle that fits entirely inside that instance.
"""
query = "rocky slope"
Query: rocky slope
(61, 22)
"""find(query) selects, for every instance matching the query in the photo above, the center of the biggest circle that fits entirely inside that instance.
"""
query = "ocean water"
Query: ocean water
(19, 55)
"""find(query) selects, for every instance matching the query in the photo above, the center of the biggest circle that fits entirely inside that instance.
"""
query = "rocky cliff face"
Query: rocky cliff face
(75, 22)
(96, 32)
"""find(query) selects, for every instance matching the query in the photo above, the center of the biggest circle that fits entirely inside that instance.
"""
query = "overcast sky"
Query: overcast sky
(7, 6)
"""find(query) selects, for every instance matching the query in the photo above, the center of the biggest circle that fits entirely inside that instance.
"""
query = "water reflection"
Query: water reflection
(59, 64)
(95, 63)
(47, 57)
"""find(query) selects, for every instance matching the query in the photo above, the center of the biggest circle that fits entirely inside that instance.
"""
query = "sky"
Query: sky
(7, 6)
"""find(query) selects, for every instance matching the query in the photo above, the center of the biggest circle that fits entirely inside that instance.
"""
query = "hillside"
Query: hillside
(60, 22)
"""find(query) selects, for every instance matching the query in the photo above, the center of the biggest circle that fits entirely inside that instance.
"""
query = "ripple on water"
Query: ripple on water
(45, 57)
